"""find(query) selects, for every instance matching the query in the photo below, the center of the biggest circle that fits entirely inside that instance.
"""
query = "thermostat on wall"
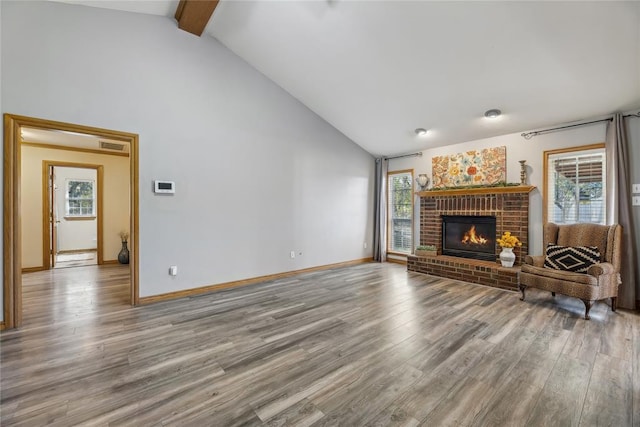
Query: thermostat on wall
(164, 187)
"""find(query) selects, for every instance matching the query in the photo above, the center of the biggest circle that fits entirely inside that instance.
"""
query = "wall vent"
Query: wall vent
(111, 146)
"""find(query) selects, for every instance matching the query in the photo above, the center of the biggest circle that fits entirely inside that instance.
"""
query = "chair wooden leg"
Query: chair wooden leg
(587, 304)
(553, 294)
(614, 303)
(522, 288)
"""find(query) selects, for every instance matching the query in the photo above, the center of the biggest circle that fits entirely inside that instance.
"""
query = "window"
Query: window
(400, 211)
(575, 185)
(80, 197)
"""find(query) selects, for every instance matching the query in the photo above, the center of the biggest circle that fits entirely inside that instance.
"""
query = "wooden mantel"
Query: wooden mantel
(474, 191)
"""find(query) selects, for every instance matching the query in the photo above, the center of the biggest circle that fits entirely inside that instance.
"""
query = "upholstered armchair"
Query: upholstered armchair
(583, 261)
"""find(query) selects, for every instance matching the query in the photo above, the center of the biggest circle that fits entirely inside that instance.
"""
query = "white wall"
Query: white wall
(257, 173)
(518, 148)
(116, 198)
(76, 234)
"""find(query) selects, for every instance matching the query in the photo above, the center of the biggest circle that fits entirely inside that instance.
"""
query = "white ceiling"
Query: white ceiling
(149, 7)
(376, 70)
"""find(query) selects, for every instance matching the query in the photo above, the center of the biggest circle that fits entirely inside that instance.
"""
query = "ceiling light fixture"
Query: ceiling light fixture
(494, 113)
(421, 131)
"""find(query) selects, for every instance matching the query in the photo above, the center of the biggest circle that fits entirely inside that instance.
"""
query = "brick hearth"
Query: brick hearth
(470, 270)
(510, 206)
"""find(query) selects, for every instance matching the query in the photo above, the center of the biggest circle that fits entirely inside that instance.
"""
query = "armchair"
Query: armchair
(601, 279)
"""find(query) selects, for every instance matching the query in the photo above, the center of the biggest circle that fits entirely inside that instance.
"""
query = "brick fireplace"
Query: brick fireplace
(469, 236)
(509, 206)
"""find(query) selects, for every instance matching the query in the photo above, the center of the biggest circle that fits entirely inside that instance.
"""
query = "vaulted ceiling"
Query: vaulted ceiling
(377, 70)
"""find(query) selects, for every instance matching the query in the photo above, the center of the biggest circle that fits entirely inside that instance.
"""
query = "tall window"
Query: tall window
(400, 211)
(80, 197)
(575, 185)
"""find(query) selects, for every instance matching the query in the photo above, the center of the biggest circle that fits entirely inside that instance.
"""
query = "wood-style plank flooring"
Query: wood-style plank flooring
(76, 259)
(369, 345)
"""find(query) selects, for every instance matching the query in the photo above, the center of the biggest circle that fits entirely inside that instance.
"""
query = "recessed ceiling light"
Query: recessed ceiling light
(421, 131)
(493, 113)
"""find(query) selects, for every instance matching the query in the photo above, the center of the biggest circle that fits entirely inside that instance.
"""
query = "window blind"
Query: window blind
(576, 187)
(400, 211)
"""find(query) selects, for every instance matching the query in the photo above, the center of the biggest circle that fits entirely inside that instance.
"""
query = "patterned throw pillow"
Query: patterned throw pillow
(571, 258)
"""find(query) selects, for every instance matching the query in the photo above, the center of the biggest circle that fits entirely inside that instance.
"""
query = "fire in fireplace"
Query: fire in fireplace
(472, 238)
(469, 236)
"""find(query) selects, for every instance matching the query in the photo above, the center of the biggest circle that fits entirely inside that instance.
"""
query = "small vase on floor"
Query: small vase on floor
(507, 257)
(123, 256)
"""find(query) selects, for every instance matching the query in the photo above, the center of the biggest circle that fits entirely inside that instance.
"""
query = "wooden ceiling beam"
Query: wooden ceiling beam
(193, 15)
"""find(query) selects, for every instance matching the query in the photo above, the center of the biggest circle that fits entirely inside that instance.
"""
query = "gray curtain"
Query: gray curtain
(617, 147)
(380, 211)
(611, 149)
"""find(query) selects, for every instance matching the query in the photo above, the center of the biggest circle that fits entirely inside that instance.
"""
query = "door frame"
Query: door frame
(12, 231)
(47, 209)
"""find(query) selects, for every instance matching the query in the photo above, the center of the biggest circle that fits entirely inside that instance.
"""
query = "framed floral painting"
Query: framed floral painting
(476, 167)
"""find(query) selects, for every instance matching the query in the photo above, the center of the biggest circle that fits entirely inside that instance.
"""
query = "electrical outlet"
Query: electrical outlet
(635, 200)
(635, 188)
(364, 245)
(293, 254)
(173, 270)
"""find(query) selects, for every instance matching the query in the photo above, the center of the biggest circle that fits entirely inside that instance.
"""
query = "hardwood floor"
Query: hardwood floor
(76, 259)
(370, 345)
(70, 294)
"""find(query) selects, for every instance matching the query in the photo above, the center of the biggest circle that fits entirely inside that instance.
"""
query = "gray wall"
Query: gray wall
(257, 173)
(633, 133)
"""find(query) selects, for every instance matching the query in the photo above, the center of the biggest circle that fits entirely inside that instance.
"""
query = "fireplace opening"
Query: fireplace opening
(469, 236)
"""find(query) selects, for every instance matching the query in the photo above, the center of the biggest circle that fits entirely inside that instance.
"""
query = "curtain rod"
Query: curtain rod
(404, 155)
(529, 135)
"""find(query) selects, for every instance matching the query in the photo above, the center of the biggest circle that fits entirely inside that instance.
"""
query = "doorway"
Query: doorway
(12, 275)
(72, 214)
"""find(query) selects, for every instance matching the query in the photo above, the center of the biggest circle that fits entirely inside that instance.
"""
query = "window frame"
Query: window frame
(67, 199)
(546, 195)
(389, 217)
